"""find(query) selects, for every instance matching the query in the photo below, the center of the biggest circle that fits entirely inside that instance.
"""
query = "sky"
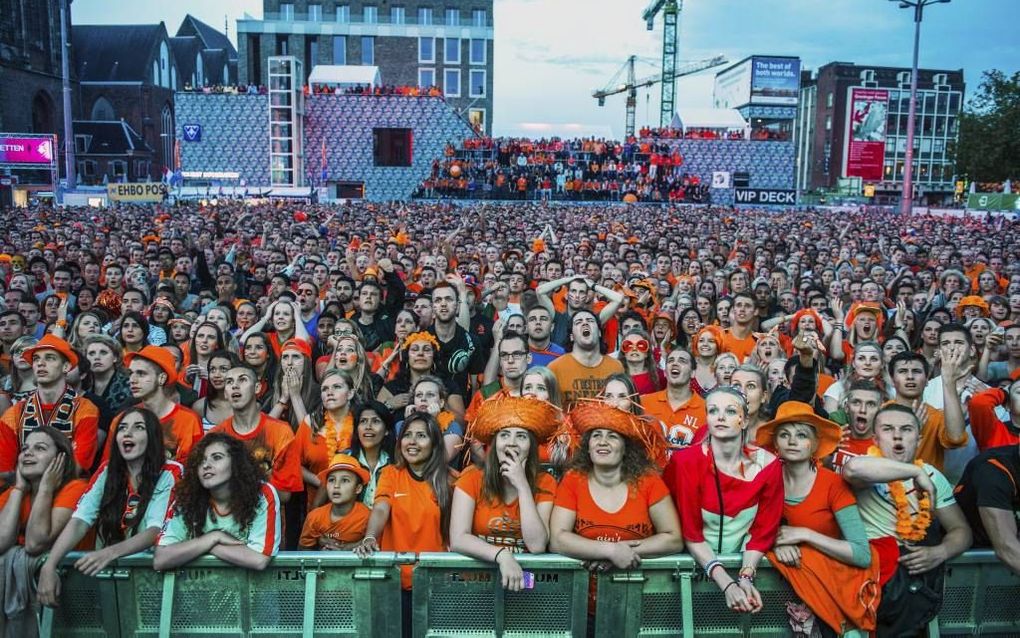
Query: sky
(551, 54)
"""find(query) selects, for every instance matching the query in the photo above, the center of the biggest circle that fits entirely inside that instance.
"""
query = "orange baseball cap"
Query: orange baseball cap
(158, 355)
(294, 343)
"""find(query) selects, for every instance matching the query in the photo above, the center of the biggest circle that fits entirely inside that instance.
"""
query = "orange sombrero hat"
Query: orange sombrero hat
(541, 418)
(593, 414)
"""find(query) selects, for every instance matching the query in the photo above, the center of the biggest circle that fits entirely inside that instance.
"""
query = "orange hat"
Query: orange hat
(972, 300)
(425, 336)
(294, 343)
(800, 315)
(541, 418)
(158, 355)
(828, 432)
(371, 272)
(50, 342)
(594, 415)
(344, 462)
(865, 306)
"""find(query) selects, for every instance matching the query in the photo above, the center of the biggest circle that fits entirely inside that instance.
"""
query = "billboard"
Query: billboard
(867, 118)
(775, 80)
(26, 150)
(732, 86)
(993, 201)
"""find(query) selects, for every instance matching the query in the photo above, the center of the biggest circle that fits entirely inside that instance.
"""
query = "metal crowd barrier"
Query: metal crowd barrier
(336, 594)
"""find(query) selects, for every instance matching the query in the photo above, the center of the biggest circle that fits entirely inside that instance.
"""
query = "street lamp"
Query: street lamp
(907, 197)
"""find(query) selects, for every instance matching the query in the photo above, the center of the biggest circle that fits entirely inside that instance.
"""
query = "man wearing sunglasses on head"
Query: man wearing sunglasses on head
(681, 411)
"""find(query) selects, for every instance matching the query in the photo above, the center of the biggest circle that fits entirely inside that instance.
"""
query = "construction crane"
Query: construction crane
(670, 18)
(631, 84)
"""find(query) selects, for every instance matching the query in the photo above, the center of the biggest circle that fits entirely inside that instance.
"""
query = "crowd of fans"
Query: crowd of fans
(578, 170)
(837, 392)
(380, 90)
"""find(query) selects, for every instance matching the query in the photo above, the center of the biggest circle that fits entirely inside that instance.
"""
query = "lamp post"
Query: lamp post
(907, 197)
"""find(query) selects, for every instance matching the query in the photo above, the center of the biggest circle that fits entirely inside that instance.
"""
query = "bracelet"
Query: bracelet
(368, 536)
(732, 583)
(710, 565)
(748, 572)
(495, 558)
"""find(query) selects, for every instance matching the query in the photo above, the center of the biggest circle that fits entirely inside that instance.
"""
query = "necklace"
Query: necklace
(910, 527)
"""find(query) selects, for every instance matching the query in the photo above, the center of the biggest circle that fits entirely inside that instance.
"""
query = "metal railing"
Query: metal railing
(336, 594)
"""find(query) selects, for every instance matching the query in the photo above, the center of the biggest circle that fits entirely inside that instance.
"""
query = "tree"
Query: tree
(989, 145)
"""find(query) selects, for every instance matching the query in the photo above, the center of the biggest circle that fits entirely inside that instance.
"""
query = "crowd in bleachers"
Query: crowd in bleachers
(370, 90)
(588, 169)
(837, 393)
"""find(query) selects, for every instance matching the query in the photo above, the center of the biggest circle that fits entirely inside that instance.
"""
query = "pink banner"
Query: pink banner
(867, 120)
(26, 150)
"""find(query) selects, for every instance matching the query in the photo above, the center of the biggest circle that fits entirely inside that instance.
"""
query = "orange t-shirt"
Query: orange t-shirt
(680, 425)
(500, 523)
(742, 348)
(66, 498)
(271, 446)
(347, 529)
(413, 525)
(630, 523)
(581, 382)
(817, 511)
(935, 440)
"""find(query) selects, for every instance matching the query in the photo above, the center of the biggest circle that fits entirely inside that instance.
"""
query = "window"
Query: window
(424, 15)
(477, 86)
(313, 55)
(451, 50)
(479, 18)
(479, 51)
(453, 17)
(828, 122)
(398, 15)
(118, 168)
(367, 50)
(102, 109)
(426, 77)
(87, 168)
(343, 13)
(828, 100)
(370, 14)
(339, 49)
(81, 142)
(287, 11)
(392, 146)
(426, 49)
(451, 82)
(315, 12)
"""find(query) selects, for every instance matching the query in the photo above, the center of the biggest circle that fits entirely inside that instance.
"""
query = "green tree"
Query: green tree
(989, 146)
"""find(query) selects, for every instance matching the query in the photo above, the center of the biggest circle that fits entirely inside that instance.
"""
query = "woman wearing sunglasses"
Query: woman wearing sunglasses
(639, 362)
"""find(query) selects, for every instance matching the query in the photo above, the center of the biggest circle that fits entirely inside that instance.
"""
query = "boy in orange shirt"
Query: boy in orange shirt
(341, 523)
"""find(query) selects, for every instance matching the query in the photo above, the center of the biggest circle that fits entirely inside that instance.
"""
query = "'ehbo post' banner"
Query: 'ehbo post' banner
(867, 116)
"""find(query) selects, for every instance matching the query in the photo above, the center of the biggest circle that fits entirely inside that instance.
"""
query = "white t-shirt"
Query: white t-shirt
(263, 535)
(956, 459)
(155, 512)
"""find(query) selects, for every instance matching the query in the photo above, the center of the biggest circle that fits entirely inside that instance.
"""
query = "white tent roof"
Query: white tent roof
(708, 118)
(344, 75)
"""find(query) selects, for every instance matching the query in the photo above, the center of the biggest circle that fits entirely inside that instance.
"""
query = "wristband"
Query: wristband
(710, 565)
(732, 583)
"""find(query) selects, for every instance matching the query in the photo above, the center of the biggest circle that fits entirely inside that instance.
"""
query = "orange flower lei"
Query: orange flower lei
(337, 438)
(910, 528)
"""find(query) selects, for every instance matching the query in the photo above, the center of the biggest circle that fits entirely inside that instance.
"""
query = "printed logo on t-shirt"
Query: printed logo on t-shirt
(584, 388)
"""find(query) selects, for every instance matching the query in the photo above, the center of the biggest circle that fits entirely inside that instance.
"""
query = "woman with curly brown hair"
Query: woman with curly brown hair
(611, 507)
(126, 501)
(224, 507)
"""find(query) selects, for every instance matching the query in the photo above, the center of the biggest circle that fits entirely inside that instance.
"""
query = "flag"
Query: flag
(325, 169)
(167, 175)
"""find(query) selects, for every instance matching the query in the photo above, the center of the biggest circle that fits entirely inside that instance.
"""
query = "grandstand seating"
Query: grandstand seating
(336, 594)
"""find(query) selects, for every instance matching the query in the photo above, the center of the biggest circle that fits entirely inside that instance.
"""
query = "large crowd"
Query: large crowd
(591, 169)
(835, 392)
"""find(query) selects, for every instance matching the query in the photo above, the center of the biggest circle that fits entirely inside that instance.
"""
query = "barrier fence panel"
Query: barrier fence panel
(337, 595)
(982, 597)
(454, 595)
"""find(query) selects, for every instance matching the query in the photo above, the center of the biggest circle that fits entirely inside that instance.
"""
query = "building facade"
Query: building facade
(840, 99)
(413, 43)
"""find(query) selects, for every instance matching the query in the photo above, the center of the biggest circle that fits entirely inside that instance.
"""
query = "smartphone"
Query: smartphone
(529, 580)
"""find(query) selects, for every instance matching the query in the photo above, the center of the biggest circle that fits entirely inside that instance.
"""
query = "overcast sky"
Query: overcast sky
(551, 54)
